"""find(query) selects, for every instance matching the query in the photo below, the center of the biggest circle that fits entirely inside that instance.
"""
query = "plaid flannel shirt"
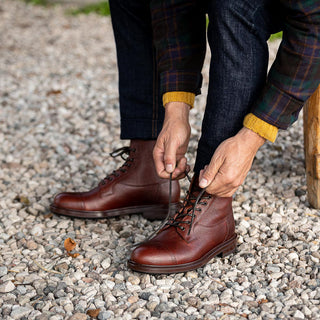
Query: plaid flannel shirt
(179, 36)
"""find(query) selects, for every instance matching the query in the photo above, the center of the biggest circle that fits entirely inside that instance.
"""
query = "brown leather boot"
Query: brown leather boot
(134, 188)
(203, 228)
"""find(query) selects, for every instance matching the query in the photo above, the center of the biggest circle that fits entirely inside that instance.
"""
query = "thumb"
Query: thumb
(209, 172)
(170, 155)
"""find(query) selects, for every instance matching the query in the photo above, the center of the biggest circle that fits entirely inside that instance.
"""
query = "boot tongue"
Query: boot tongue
(194, 188)
(194, 191)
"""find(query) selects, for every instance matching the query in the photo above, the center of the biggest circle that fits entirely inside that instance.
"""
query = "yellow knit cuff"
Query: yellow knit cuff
(262, 128)
(179, 96)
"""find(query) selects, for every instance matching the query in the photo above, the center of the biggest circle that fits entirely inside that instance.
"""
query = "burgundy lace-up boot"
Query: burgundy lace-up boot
(133, 188)
(203, 228)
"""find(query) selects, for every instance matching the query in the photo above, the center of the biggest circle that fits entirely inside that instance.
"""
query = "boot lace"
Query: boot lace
(121, 152)
(188, 208)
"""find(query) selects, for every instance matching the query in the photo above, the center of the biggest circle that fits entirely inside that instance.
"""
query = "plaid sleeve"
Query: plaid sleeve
(179, 38)
(295, 74)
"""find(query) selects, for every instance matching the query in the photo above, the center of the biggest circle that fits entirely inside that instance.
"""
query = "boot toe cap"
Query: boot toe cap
(153, 253)
(69, 201)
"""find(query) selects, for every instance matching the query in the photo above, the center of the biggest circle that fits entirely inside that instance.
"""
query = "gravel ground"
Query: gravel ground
(58, 122)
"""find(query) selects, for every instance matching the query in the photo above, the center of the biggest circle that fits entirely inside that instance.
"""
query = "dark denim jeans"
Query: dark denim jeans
(237, 33)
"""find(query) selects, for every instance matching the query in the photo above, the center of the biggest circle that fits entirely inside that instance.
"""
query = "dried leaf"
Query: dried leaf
(263, 301)
(69, 244)
(49, 93)
(73, 255)
(93, 313)
(24, 200)
(48, 216)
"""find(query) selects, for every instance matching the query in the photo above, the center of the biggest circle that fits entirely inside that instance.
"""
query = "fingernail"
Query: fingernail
(169, 167)
(203, 183)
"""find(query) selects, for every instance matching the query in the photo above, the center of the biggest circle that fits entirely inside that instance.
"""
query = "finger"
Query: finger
(180, 176)
(170, 152)
(218, 186)
(227, 193)
(210, 171)
(201, 174)
(180, 168)
(159, 162)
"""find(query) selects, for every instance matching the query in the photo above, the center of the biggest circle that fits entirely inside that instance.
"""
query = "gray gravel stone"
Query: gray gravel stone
(19, 312)
(3, 271)
(78, 316)
(105, 315)
(6, 287)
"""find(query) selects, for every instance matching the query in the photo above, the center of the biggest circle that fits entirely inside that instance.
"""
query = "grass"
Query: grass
(101, 8)
(38, 2)
(276, 36)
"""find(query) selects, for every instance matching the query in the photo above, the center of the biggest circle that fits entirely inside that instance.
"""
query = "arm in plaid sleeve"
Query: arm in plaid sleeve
(295, 74)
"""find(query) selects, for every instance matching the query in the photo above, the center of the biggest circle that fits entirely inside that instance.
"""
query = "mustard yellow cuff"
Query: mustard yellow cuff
(179, 96)
(262, 128)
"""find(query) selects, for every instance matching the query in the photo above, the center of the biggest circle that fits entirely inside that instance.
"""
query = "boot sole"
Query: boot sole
(150, 212)
(222, 250)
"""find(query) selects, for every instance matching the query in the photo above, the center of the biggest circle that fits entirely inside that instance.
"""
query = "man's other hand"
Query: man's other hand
(231, 163)
(172, 143)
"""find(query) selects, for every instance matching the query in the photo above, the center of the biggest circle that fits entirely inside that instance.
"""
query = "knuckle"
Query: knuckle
(230, 178)
(237, 183)
(210, 190)
(168, 158)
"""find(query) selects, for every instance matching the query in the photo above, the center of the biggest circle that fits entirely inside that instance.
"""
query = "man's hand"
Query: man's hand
(172, 143)
(231, 163)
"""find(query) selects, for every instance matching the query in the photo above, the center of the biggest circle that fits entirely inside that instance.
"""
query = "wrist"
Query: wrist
(177, 110)
(251, 137)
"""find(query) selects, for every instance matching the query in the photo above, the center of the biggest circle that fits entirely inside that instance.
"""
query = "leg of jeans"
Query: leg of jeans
(140, 106)
(237, 33)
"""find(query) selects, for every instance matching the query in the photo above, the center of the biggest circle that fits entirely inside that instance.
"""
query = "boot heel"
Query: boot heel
(159, 212)
(155, 214)
(231, 248)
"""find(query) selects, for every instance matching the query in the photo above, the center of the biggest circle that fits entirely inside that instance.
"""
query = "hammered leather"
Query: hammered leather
(134, 185)
(183, 244)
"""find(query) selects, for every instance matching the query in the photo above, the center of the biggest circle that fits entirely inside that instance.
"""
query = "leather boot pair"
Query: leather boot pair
(203, 228)
(133, 188)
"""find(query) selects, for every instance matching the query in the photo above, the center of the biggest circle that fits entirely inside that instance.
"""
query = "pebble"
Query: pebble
(78, 316)
(19, 312)
(105, 264)
(298, 315)
(152, 305)
(276, 218)
(133, 299)
(293, 256)
(3, 271)
(6, 287)
(134, 280)
(30, 244)
(37, 230)
(105, 315)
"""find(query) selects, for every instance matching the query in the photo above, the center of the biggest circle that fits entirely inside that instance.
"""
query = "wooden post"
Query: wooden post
(311, 124)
